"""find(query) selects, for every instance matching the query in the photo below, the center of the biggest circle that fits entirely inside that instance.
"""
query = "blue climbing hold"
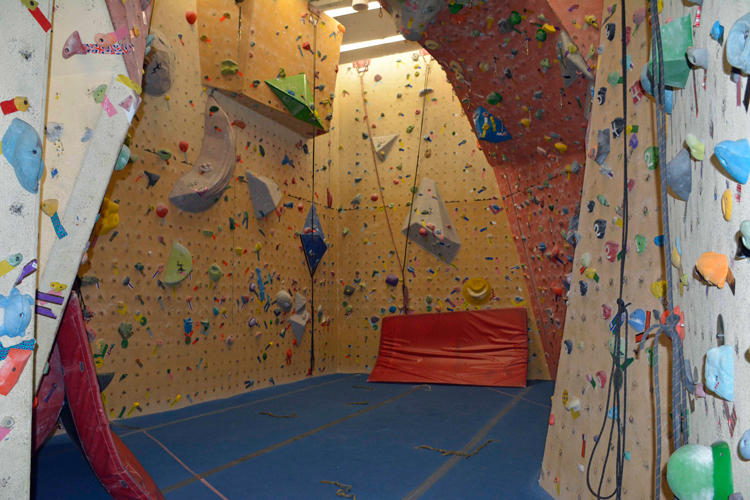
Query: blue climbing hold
(734, 156)
(488, 127)
(17, 313)
(647, 82)
(22, 147)
(637, 320)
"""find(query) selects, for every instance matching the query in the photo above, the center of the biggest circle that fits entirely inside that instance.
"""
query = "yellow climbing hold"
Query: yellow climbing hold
(561, 147)
(526, 122)
(659, 288)
(726, 205)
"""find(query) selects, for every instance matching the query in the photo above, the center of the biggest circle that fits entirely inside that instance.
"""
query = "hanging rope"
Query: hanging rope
(416, 173)
(314, 22)
(679, 408)
(361, 71)
(617, 393)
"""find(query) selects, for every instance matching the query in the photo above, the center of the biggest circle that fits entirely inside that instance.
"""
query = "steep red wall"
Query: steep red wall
(539, 195)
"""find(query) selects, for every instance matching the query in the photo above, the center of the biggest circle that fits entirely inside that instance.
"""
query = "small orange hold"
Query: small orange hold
(552, 419)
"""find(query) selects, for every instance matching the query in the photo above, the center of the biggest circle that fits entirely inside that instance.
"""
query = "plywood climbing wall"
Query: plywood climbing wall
(438, 137)
(265, 38)
(157, 368)
(515, 76)
(570, 441)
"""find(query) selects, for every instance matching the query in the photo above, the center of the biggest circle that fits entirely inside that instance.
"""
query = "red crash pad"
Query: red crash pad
(113, 463)
(489, 348)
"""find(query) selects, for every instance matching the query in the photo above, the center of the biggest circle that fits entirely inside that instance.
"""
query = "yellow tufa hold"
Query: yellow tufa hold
(109, 217)
(726, 205)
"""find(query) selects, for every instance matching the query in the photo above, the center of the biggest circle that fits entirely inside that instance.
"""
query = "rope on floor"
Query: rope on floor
(359, 403)
(362, 387)
(343, 491)
(454, 452)
(293, 415)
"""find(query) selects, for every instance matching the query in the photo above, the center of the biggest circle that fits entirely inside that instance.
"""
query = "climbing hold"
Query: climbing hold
(214, 272)
(647, 82)
(697, 148)
(698, 56)
(488, 127)
(264, 194)
(680, 174)
(201, 187)
(677, 36)
(719, 371)
(477, 291)
(17, 315)
(123, 158)
(603, 146)
(179, 266)
(160, 64)
(734, 156)
(726, 205)
(745, 445)
(717, 32)
(591, 21)
(22, 147)
(738, 46)
(695, 471)
(108, 217)
(714, 269)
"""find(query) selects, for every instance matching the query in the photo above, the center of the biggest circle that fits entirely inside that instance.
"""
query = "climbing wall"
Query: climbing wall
(263, 38)
(713, 115)
(436, 136)
(571, 438)
(23, 95)
(161, 366)
(515, 76)
(573, 20)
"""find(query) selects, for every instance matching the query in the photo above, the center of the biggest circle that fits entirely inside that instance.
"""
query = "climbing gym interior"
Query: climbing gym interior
(397, 249)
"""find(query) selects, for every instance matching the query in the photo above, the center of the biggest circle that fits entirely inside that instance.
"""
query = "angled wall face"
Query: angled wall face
(530, 125)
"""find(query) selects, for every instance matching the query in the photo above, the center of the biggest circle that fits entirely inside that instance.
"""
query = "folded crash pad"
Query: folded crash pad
(488, 348)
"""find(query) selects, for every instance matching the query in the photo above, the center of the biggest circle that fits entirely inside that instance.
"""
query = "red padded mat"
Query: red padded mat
(488, 348)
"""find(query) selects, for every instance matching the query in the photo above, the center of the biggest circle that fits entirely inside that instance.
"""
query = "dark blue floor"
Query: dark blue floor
(373, 449)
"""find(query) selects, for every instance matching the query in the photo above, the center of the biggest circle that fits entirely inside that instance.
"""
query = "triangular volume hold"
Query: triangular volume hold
(384, 144)
(313, 240)
(294, 93)
(431, 227)
(264, 193)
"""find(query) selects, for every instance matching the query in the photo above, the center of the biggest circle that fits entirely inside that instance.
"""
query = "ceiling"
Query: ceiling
(363, 26)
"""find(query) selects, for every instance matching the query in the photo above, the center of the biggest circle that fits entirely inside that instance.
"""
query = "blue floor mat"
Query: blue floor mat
(374, 449)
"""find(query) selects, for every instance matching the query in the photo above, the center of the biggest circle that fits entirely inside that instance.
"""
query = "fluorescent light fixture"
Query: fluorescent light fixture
(348, 10)
(371, 43)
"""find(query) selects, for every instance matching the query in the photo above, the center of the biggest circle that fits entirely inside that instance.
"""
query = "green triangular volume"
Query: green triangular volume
(294, 93)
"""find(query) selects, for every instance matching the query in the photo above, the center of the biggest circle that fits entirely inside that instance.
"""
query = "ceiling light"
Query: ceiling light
(348, 10)
(371, 43)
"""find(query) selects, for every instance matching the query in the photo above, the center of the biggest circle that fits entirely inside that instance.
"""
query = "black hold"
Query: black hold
(152, 178)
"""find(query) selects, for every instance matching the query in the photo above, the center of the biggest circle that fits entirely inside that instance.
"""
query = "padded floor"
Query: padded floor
(228, 449)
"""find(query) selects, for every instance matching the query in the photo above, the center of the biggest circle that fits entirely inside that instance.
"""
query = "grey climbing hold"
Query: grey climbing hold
(680, 174)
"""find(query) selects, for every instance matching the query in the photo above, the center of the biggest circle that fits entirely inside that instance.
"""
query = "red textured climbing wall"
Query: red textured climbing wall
(539, 113)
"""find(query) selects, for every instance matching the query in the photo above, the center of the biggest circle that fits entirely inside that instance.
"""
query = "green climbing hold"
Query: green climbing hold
(640, 243)
(603, 200)
(541, 35)
(455, 7)
(494, 98)
(651, 155)
(164, 154)
(515, 18)
(229, 67)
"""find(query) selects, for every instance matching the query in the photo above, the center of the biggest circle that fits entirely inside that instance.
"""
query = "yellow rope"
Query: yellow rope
(454, 452)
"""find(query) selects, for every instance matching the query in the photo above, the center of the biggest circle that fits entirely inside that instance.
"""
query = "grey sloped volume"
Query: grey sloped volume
(300, 317)
(430, 214)
(202, 186)
(264, 193)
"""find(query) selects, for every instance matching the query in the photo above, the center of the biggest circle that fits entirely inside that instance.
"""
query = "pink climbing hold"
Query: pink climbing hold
(374, 197)
(423, 231)
(300, 207)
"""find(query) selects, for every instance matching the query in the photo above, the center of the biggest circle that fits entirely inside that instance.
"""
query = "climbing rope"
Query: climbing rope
(679, 408)
(361, 71)
(292, 415)
(416, 167)
(343, 491)
(618, 377)
(454, 452)
(314, 22)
